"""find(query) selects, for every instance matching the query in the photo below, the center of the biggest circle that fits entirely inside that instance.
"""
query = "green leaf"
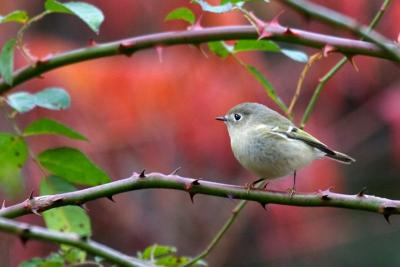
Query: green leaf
(19, 16)
(295, 55)
(156, 251)
(227, 7)
(72, 165)
(7, 61)
(47, 126)
(22, 101)
(256, 45)
(38, 262)
(220, 48)
(267, 86)
(65, 219)
(53, 98)
(181, 13)
(91, 15)
(13, 155)
(68, 218)
(165, 256)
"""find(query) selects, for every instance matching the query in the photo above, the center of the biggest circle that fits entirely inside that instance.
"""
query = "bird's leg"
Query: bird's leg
(292, 190)
(253, 184)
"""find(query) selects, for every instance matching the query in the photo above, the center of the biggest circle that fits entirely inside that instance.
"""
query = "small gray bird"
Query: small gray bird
(271, 146)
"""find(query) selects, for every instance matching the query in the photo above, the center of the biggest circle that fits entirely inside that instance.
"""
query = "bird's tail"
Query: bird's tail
(341, 157)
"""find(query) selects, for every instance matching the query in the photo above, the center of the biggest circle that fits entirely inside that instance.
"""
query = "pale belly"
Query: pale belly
(273, 158)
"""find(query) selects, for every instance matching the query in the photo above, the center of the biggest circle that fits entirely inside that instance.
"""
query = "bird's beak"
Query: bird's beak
(221, 118)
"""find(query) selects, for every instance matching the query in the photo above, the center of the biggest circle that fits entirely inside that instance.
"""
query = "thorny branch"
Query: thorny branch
(326, 198)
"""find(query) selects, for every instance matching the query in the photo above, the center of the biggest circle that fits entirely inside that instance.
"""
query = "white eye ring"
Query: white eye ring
(237, 117)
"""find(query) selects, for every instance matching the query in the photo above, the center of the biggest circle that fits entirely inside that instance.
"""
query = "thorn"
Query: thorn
(31, 195)
(350, 59)
(196, 25)
(83, 206)
(3, 205)
(23, 237)
(327, 49)
(159, 50)
(325, 194)
(362, 192)
(263, 205)
(256, 22)
(196, 182)
(84, 238)
(388, 211)
(111, 198)
(174, 172)
(289, 31)
(192, 194)
(387, 216)
(92, 42)
(36, 212)
(275, 20)
(124, 47)
(142, 175)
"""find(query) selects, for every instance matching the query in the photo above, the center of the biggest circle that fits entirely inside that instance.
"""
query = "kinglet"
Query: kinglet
(271, 146)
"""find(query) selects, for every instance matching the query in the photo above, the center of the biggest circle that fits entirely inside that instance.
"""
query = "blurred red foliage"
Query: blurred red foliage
(141, 113)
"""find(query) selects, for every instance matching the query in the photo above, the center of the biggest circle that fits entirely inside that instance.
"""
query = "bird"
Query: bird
(270, 146)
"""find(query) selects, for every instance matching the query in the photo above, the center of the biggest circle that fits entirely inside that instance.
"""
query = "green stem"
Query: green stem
(129, 46)
(337, 67)
(26, 231)
(235, 212)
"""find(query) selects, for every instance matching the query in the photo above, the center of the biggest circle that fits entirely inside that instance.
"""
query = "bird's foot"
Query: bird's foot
(254, 185)
(291, 192)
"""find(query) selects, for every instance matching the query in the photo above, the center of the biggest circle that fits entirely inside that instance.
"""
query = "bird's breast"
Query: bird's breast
(270, 156)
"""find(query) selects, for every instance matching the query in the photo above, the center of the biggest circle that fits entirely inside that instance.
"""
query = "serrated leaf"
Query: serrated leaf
(48, 126)
(255, 45)
(65, 219)
(181, 13)
(220, 48)
(21, 101)
(295, 55)
(19, 16)
(88, 13)
(7, 61)
(53, 98)
(13, 155)
(227, 7)
(267, 86)
(72, 165)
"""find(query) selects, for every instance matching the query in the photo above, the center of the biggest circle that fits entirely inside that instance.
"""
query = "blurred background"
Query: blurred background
(140, 113)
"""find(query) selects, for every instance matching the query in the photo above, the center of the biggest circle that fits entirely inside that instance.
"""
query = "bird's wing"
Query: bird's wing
(292, 132)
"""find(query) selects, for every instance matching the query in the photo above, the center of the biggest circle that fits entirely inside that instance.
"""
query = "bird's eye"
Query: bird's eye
(237, 116)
